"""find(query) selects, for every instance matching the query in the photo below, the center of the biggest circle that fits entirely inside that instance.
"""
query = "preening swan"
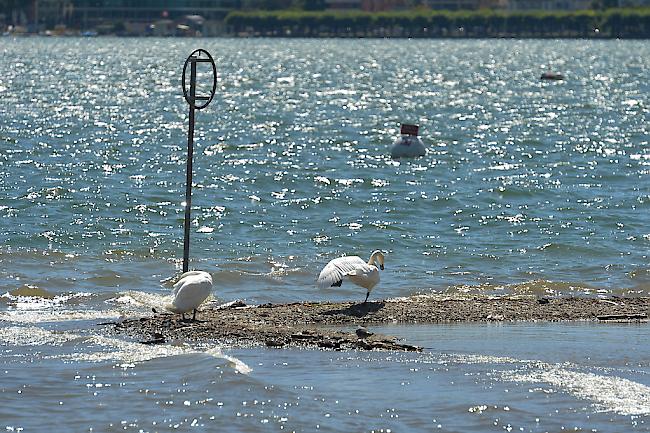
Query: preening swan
(355, 269)
(189, 292)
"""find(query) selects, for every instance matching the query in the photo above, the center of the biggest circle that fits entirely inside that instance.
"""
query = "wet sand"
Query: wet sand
(332, 325)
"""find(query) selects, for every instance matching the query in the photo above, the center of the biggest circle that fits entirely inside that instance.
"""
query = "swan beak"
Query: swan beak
(381, 267)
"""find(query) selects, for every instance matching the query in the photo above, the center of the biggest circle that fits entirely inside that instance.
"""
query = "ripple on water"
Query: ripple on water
(296, 150)
(527, 188)
(101, 349)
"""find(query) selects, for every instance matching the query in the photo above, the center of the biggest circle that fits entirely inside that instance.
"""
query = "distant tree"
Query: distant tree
(613, 23)
(119, 27)
(268, 5)
(309, 5)
(6, 6)
(9, 6)
(604, 4)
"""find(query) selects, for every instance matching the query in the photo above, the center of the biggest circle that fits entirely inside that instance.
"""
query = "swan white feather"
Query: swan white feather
(185, 280)
(362, 273)
(190, 291)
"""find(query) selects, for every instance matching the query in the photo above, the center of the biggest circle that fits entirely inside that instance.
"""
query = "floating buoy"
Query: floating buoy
(552, 76)
(408, 145)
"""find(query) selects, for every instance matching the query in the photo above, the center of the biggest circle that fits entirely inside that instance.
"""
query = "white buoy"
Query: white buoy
(408, 145)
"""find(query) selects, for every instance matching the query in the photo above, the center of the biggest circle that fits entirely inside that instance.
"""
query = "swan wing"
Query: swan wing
(366, 276)
(336, 269)
(190, 294)
(191, 277)
(363, 270)
(177, 286)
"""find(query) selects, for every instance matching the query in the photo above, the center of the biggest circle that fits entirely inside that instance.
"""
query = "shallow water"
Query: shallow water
(525, 183)
(528, 187)
(471, 378)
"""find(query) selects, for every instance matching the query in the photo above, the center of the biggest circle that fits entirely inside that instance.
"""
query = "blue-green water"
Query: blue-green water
(528, 187)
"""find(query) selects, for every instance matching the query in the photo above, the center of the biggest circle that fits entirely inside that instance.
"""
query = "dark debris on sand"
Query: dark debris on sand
(313, 324)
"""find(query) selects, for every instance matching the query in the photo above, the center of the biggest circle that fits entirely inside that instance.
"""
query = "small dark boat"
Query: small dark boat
(552, 76)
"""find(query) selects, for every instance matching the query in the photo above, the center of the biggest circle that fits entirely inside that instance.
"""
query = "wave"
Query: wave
(31, 304)
(609, 393)
(33, 298)
(28, 290)
(126, 353)
(39, 316)
(33, 336)
(541, 288)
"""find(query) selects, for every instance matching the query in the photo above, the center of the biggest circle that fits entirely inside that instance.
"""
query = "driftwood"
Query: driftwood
(623, 317)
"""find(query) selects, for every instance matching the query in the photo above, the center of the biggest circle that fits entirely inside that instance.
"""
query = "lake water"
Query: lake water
(528, 187)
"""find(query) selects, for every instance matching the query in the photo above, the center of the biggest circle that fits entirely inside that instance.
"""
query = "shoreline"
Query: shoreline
(333, 37)
(312, 324)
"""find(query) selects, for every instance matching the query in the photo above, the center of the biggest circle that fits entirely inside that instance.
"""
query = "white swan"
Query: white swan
(358, 271)
(189, 292)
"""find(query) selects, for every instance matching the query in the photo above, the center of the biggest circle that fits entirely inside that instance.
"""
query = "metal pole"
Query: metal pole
(190, 155)
(36, 14)
(197, 56)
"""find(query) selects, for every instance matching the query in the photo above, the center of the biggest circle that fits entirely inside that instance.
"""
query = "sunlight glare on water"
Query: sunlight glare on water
(292, 166)
(527, 188)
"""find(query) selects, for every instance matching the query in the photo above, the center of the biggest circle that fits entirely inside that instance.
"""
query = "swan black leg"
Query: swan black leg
(194, 316)
(366, 300)
(183, 316)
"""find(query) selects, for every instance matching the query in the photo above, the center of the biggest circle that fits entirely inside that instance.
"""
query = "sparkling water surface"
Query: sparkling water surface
(471, 378)
(528, 187)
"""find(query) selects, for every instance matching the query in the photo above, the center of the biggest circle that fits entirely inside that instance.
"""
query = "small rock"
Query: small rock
(363, 332)
(274, 343)
(363, 344)
(329, 344)
(303, 336)
(158, 338)
(234, 304)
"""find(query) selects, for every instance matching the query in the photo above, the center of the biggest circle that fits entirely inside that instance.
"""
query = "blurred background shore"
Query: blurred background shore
(329, 18)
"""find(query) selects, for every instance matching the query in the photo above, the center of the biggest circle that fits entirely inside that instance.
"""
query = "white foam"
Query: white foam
(128, 353)
(58, 315)
(610, 393)
(50, 308)
(237, 364)
(125, 353)
(33, 336)
(144, 300)
(20, 302)
(481, 359)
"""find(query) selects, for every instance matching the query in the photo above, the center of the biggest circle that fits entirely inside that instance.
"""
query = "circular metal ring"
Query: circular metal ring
(198, 53)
